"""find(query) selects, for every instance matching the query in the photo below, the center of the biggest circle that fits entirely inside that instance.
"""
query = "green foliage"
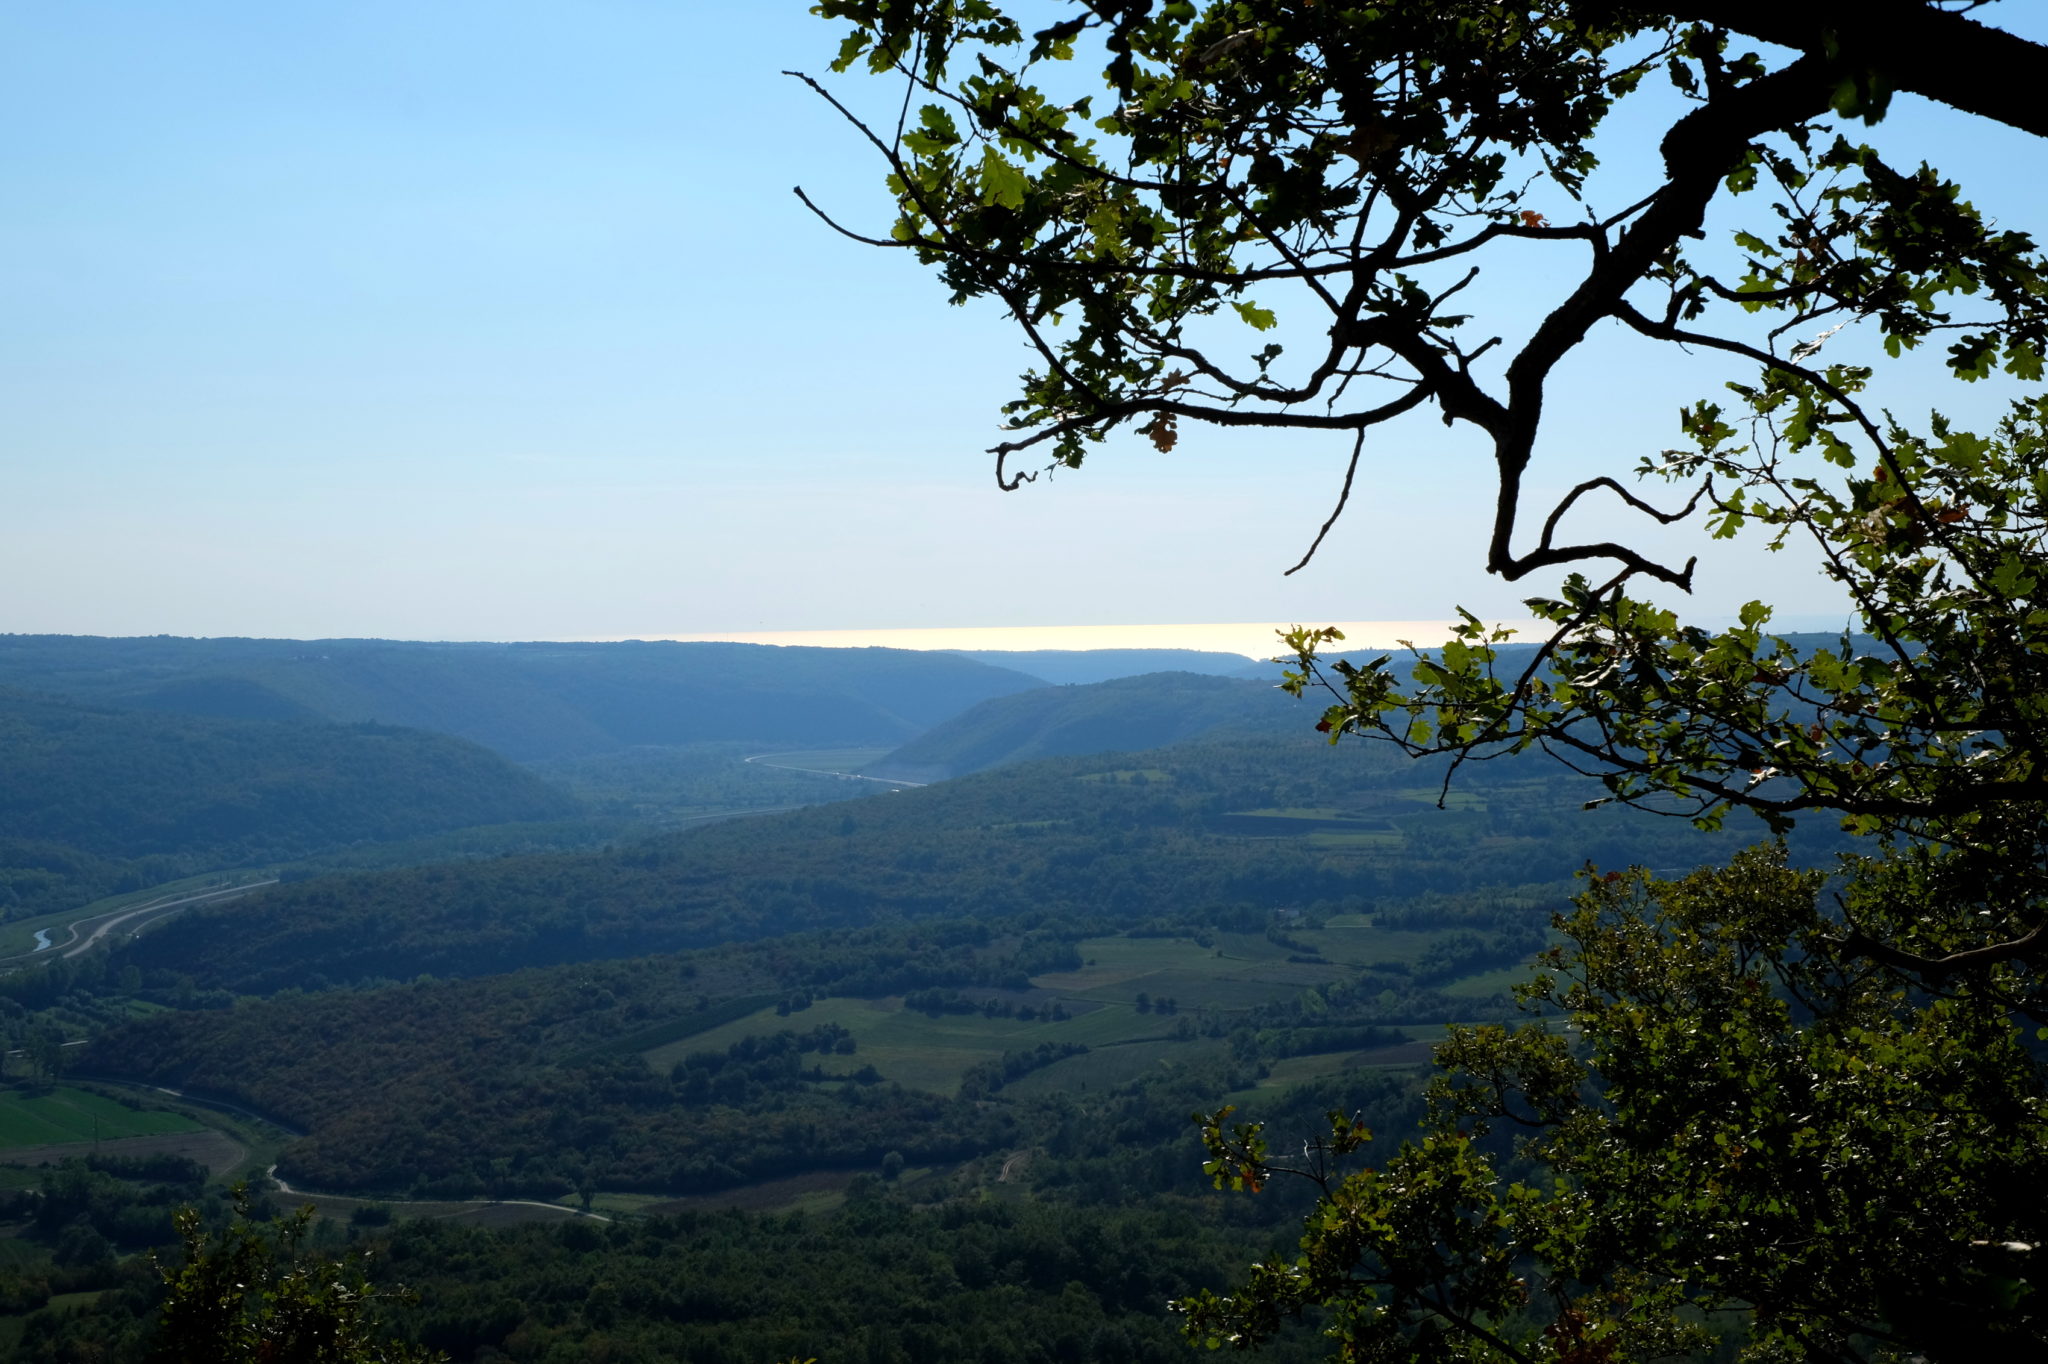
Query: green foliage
(1811, 1104)
(1149, 711)
(1925, 723)
(424, 1088)
(1240, 144)
(1775, 1128)
(1047, 838)
(1062, 1247)
(530, 1082)
(101, 801)
(251, 1294)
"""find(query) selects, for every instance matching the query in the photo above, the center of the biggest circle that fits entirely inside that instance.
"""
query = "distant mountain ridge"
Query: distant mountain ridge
(1127, 714)
(526, 701)
(1066, 667)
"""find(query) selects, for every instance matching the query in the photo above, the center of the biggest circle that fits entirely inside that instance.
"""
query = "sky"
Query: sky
(499, 321)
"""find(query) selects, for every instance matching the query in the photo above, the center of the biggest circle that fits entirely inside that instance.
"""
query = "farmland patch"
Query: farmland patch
(30, 1118)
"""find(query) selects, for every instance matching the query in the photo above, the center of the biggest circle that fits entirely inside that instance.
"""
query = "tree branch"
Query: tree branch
(1942, 55)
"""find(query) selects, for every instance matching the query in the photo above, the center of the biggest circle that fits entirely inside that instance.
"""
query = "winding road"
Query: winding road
(207, 1101)
(103, 924)
(762, 758)
(289, 1192)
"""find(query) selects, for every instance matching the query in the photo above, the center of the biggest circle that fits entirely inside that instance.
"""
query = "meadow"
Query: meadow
(1134, 1002)
(66, 1114)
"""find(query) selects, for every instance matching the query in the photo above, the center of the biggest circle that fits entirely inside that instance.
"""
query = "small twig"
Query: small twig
(1344, 496)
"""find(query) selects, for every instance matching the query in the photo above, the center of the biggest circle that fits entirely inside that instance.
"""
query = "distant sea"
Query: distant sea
(1253, 639)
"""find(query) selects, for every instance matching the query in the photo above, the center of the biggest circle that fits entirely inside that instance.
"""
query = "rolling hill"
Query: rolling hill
(95, 798)
(526, 701)
(1066, 667)
(1120, 716)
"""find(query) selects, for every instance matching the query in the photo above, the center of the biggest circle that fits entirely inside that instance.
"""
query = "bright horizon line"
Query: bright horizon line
(1250, 639)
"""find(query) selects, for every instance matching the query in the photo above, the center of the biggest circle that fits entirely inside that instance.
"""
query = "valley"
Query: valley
(995, 965)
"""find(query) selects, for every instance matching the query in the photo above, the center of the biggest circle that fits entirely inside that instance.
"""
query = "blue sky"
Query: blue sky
(499, 320)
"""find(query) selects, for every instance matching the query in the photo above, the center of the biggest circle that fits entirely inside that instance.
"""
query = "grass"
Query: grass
(1489, 983)
(1364, 838)
(65, 1114)
(1363, 945)
(1246, 973)
(1239, 971)
(613, 1203)
(1290, 1071)
(919, 1051)
(666, 1038)
(1107, 1067)
(15, 1252)
(1457, 798)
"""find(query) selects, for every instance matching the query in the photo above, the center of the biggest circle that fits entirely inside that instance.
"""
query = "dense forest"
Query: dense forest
(1147, 711)
(99, 800)
(1203, 831)
(1069, 1257)
(526, 701)
(973, 1017)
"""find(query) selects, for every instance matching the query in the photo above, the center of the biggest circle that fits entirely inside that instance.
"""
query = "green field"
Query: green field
(906, 1046)
(1237, 972)
(1489, 983)
(1241, 970)
(65, 1114)
(1107, 1067)
(1364, 838)
(921, 1052)
(1296, 1070)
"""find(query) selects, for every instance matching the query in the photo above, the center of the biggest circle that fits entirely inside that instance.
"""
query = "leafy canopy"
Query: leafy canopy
(1809, 1106)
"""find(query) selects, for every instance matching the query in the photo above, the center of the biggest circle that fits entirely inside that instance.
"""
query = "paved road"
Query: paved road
(114, 921)
(762, 758)
(289, 1192)
(103, 924)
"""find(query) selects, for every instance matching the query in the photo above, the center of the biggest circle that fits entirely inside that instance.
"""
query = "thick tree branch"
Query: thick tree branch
(1914, 46)
(1698, 152)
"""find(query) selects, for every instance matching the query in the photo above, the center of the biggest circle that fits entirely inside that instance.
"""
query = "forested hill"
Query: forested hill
(527, 701)
(91, 793)
(1220, 828)
(1067, 667)
(1129, 713)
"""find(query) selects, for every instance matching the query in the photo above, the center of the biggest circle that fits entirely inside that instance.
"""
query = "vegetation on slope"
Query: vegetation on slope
(1223, 829)
(526, 701)
(1124, 715)
(98, 801)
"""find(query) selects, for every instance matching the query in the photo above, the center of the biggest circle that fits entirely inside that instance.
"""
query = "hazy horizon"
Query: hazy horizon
(1253, 640)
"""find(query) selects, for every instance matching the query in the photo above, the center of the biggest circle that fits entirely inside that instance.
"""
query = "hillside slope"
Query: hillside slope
(93, 793)
(527, 701)
(1234, 828)
(1121, 716)
(1067, 667)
